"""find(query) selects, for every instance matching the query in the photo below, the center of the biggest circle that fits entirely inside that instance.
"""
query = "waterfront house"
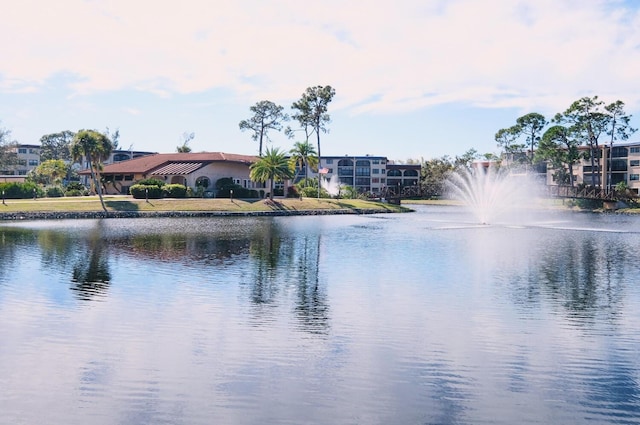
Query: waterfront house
(189, 169)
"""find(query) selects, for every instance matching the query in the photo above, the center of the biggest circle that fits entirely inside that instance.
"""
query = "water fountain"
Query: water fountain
(332, 185)
(491, 193)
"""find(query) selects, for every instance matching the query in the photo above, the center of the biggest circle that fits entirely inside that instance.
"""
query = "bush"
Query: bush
(141, 191)
(25, 190)
(151, 182)
(76, 186)
(292, 192)
(174, 191)
(238, 192)
(75, 192)
(54, 192)
(225, 185)
(312, 192)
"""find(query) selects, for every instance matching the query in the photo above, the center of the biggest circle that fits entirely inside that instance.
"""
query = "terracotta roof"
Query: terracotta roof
(146, 164)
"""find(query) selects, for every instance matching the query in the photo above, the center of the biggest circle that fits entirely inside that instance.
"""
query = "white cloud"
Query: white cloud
(379, 56)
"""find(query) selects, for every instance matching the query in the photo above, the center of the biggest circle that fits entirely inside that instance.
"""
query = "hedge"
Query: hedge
(14, 190)
(174, 191)
(142, 191)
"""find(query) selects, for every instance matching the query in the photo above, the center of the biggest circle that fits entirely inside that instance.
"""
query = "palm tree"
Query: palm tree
(304, 155)
(95, 147)
(272, 166)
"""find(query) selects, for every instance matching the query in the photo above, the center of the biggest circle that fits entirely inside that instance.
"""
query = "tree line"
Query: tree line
(588, 122)
(311, 114)
(576, 134)
(58, 153)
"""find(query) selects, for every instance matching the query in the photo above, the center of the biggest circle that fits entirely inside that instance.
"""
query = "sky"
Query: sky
(414, 79)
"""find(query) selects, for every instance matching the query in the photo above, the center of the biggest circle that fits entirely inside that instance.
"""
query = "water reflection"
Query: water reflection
(312, 307)
(401, 319)
(91, 274)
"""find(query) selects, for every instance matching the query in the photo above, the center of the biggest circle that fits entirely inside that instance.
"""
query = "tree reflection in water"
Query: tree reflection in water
(10, 241)
(312, 308)
(281, 259)
(91, 274)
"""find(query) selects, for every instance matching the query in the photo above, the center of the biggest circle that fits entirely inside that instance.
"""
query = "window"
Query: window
(120, 157)
(363, 171)
(362, 181)
(204, 182)
(328, 161)
(345, 171)
(634, 163)
(619, 165)
(375, 180)
(634, 149)
(375, 171)
(394, 173)
(33, 162)
(635, 177)
(619, 152)
(128, 177)
(22, 150)
(346, 180)
(382, 180)
(376, 162)
(411, 173)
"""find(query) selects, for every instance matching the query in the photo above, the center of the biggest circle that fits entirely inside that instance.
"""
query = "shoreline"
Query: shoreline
(79, 215)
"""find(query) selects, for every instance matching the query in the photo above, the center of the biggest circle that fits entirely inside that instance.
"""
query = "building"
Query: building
(189, 169)
(28, 159)
(367, 174)
(620, 163)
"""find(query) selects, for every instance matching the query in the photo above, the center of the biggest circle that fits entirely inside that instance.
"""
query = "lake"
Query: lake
(417, 318)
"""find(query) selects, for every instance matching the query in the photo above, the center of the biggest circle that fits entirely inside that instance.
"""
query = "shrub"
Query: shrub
(174, 191)
(151, 182)
(14, 190)
(54, 192)
(292, 192)
(312, 192)
(76, 186)
(225, 183)
(238, 192)
(141, 191)
(75, 192)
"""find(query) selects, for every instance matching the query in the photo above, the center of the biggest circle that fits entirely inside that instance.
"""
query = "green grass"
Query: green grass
(127, 203)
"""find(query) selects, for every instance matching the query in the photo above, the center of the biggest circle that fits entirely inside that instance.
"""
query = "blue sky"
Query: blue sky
(413, 78)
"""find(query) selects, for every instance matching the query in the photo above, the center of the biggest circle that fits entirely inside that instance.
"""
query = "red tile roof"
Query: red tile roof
(148, 163)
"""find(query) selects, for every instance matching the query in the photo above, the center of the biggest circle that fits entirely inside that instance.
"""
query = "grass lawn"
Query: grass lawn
(128, 203)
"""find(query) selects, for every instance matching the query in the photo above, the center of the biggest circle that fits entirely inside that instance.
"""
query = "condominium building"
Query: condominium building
(28, 159)
(620, 163)
(367, 174)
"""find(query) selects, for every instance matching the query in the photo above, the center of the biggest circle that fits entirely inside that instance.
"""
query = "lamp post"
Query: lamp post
(34, 194)
(231, 194)
(146, 194)
(3, 198)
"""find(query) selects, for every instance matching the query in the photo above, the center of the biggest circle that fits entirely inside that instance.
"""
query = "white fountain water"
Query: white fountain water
(332, 185)
(492, 194)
